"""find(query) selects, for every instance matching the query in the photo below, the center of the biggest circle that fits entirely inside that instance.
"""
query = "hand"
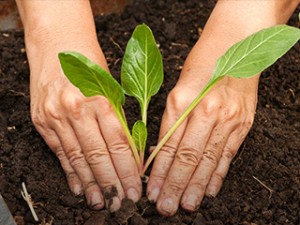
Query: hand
(195, 160)
(84, 133)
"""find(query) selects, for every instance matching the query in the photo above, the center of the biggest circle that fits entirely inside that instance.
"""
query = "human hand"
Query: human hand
(196, 158)
(84, 133)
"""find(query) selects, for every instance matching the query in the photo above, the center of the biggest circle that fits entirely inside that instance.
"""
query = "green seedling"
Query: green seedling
(142, 76)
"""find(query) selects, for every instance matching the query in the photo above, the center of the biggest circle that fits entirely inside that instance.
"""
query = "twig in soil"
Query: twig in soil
(265, 186)
(176, 44)
(116, 44)
(29, 201)
(18, 93)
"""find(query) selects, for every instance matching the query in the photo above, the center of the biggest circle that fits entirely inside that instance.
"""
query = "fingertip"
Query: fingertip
(167, 207)
(94, 197)
(96, 200)
(153, 194)
(77, 189)
(75, 184)
(133, 194)
(212, 190)
(214, 186)
(113, 204)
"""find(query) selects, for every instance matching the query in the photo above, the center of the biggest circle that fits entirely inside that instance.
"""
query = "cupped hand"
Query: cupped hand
(84, 133)
(196, 159)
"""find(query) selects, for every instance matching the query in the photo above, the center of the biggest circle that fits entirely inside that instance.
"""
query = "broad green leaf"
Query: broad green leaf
(139, 135)
(257, 52)
(90, 78)
(142, 68)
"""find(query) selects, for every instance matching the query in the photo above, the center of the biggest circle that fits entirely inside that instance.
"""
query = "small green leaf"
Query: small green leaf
(142, 68)
(139, 135)
(90, 78)
(257, 52)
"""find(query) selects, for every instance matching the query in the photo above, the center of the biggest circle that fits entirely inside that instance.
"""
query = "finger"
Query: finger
(120, 152)
(186, 160)
(213, 149)
(78, 162)
(98, 158)
(88, 133)
(54, 144)
(231, 148)
(166, 155)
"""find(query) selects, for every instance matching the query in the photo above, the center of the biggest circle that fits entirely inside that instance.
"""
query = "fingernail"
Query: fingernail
(77, 189)
(96, 201)
(153, 195)
(114, 204)
(211, 191)
(190, 202)
(132, 194)
(168, 206)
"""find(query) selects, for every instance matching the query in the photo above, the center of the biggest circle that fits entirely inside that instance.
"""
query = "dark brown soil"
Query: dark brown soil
(270, 153)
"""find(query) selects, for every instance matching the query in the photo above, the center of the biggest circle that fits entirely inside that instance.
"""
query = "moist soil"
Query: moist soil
(263, 184)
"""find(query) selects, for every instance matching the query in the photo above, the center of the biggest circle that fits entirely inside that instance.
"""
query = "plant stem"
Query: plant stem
(132, 145)
(184, 115)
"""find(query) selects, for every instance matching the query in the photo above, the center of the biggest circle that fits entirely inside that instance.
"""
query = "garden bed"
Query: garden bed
(268, 159)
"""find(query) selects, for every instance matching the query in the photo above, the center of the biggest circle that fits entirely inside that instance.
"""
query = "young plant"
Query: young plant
(142, 76)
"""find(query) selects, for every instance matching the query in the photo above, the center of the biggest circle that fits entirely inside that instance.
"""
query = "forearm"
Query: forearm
(53, 26)
(238, 19)
(230, 22)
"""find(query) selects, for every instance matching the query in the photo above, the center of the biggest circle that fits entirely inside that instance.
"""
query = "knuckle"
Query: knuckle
(36, 120)
(96, 156)
(40, 123)
(188, 156)
(60, 154)
(50, 110)
(119, 148)
(178, 100)
(89, 184)
(129, 176)
(248, 122)
(229, 154)
(176, 186)
(210, 155)
(106, 107)
(198, 184)
(76, 158)
(168, 150)
(72, 103)
(219, 177)
(211, 106)
(232, 112)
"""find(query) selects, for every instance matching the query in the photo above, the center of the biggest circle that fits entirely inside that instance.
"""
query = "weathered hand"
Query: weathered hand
(195, 160)
(84, 133)
(87, 138)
